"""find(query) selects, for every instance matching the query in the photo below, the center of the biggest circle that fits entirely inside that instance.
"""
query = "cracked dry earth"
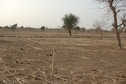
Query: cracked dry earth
(38, 60)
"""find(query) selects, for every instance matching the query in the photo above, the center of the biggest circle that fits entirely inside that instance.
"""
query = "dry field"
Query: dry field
(45, 57)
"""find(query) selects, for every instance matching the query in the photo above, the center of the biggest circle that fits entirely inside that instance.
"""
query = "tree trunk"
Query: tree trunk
(115, 23)
(118, 39)
(69, 32)
(116, 26)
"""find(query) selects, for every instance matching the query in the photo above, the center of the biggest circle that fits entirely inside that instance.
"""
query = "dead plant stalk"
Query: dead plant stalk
(52, 70)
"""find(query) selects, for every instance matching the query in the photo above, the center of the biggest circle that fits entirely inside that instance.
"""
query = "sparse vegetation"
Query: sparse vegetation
(77, 28)
(32, 57)
(13, 27)
(21, 27)
(43, 28)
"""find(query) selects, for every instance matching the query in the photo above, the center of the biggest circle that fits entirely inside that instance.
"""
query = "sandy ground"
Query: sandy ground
(56, 58)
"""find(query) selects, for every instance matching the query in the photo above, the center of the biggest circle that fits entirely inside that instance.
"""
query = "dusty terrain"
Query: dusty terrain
(41, 57)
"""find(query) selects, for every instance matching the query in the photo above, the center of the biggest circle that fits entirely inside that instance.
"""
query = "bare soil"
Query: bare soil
(34, 57)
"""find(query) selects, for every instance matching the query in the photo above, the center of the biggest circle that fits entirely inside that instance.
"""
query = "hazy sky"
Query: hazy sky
(37, 13)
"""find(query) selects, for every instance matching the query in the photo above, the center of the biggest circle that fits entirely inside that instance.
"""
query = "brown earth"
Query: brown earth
(56, 58)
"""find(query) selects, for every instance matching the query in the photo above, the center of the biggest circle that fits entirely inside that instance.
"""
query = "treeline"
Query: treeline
(15, 26)
(76, 29)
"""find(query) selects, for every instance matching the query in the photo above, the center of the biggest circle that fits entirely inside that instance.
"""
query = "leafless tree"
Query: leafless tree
(98, 26)
(118, 9)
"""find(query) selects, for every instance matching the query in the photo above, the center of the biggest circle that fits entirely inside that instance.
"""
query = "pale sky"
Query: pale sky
(37, 13)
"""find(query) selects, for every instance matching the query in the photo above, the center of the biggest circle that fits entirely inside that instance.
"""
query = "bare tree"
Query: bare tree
(118, 9)
(98, 26)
